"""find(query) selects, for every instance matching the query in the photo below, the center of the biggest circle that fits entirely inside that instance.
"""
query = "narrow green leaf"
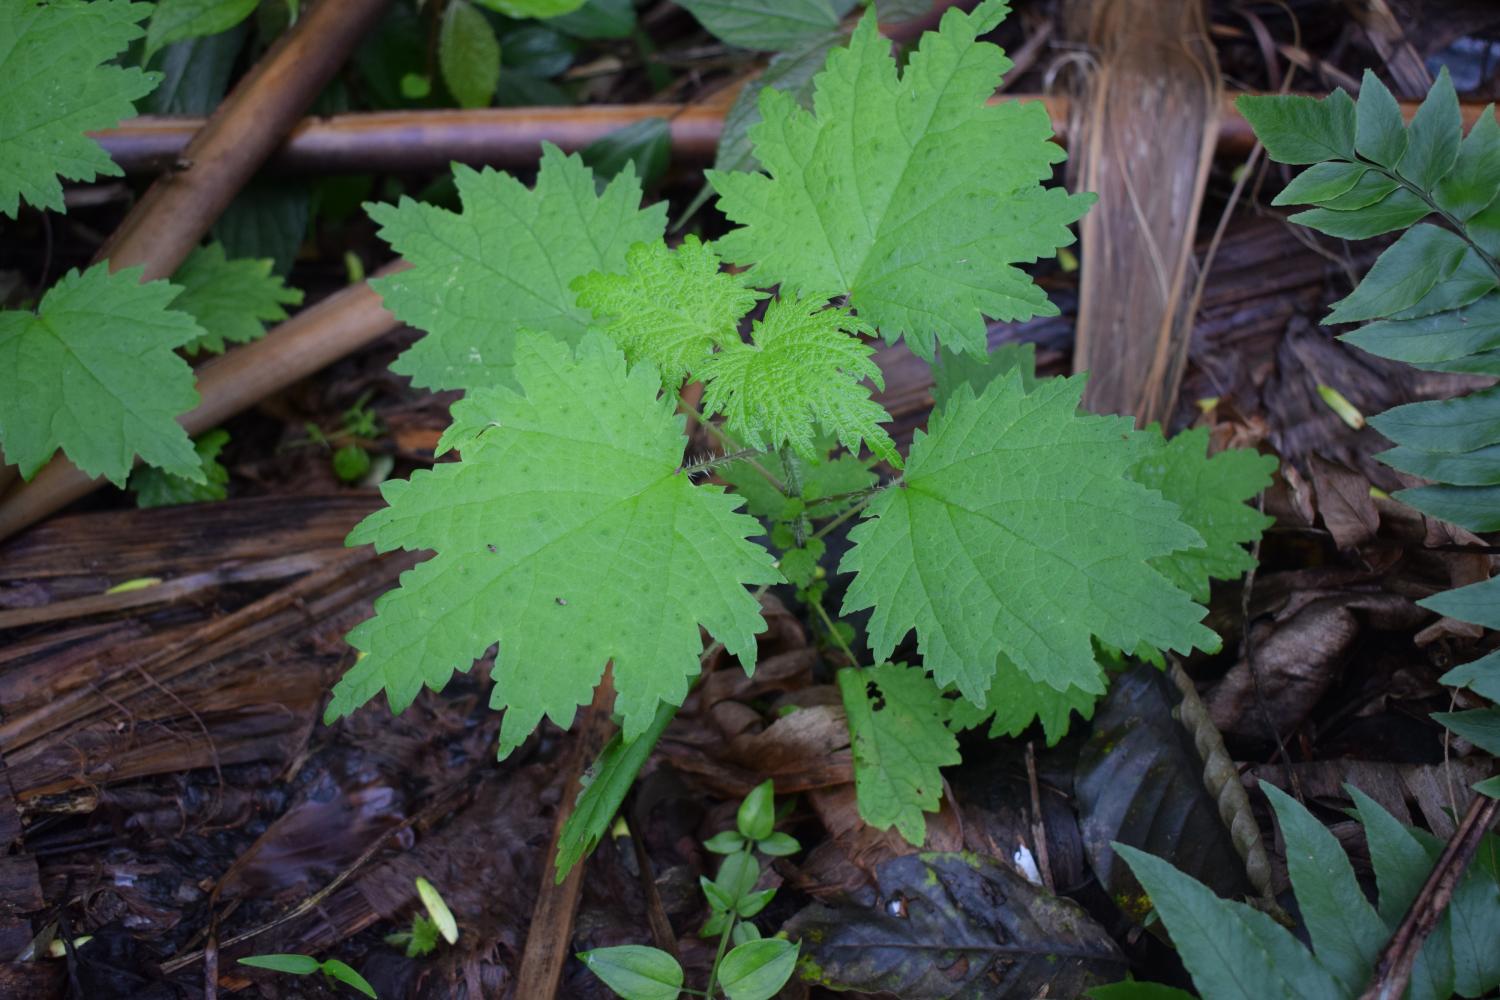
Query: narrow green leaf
(1346, 931)
(737, 876)
(1471, 468)
(778, 845)
(468, 55)
(1482, 676)
(1470, 186)
(1474, 507)
(1489, 786)
(1433, 139)
(1302, 129)
(1445, 425)
(724, 842)
(1232, 951)
(1397, 210)
(345, 974)
(1442, 337)
(1480, 726)
(757, 970)
(296, 965)
(1379, 130)
(1320, 182)
(636, 972)
(1470, 281)
(437, 909)
(1406, 271)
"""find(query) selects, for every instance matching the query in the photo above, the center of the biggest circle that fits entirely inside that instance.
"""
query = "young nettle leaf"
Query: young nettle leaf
(900, 739)
(670, 307)
(58, 87)
(231, 299)
(905, 192)
(94, 372)
(505, 263)
(803, 370)
(1211, 494)
(568, 488)
(1016, 529)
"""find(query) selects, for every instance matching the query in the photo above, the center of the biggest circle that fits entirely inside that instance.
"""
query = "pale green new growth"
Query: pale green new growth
(93, 372)
(569, 536)
(900, 741)
(52, 57)
(231, 299)
(504, 264)
(1211, 494)
(804, 369)
(670, 307)
(1016, 530)
(908, 193)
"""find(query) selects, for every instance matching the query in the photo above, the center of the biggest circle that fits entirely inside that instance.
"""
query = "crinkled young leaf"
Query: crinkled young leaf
(231, 299)
(898, 731)
(1017, 529)
(93, 372)
(53, 58)
(803, 371)
(670, 307)
(1212, 494)
(569, 536)
(908, 193)
(504, 264)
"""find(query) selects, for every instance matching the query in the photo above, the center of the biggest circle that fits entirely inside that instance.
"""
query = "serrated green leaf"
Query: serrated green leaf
(176, 20)
(1445, 425)
(156, 488)
(1017, 529)
(1433, 138)
(1474, 507)
(670, 307)
(231, 299)
(636, 972)
(767, 25)
(790, 72)
(1471, 330)
(1406, 271)
(757, 970)
(804, 370)
(567, 487)
(1302, 129)
(93, 372)
(1470, 186)
(1379, 130)
(897, 728)
(1320, 182)
(57, 87)
(1014, 701)
(1471, 468)
(908, 193)
(1398, 210)
(1211, 493)
(468, 55)
(1232, 951)
(1346, 931)
(977, 370)
(504, 264)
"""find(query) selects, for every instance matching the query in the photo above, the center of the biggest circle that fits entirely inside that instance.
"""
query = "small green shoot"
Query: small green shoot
(306, 965)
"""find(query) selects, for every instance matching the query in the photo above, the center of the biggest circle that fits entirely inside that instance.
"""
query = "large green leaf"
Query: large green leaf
(567, 489)
(505, 263)
(1302, 129)
(907, 192)
(54, 57)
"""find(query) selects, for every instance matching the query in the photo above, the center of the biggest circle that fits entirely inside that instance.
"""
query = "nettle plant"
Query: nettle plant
(1017, 537)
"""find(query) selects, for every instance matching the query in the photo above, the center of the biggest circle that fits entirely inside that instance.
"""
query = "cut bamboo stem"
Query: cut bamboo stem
(218, 156)
(399, 141)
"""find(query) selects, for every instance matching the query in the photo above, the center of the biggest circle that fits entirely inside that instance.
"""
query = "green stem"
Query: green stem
(726, 440)
(834, 633)
(1458, 227)
(846, 515)
(713, 974)
(709, 464)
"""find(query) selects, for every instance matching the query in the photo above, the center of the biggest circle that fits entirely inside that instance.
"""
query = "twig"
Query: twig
(165, 225)
(1393, 969)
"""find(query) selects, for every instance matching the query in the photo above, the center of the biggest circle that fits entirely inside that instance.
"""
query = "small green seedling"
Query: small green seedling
(426, 928)
(359, 426)
(306, 965)
(756, 968)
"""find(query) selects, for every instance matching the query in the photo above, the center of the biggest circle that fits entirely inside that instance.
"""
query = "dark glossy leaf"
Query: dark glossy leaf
(598, 19)
(537, 49)
(1302, 129)
(1433, 138)
(1472, 468)
(1482, 676)
(636, 972)
(756, 970)
(1320, 182)
(1406, 271)
(955, 926)
(468, 55)
(1379, 131)
(1474, 507)
(1397, 210)
(1445, 425)
(1471, 185)
(195, 74)
(609, 780)
(646, 143)
(266, 219)
(1139, 781)
(1346, 931)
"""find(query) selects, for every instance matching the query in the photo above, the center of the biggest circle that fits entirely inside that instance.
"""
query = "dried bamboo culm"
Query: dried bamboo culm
(1144, 134)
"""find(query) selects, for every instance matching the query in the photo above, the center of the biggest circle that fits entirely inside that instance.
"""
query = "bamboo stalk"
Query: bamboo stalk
(429, 140)
(228, 384)
(218, 156)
